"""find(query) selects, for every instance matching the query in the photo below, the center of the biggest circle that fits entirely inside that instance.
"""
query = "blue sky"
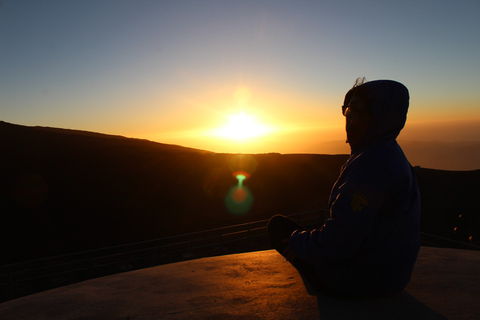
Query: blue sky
(168, 70)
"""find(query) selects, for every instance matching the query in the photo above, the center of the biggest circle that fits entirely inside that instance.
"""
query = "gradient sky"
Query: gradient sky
(175, 71)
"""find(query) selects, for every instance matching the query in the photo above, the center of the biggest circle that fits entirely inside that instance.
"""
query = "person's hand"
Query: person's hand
(288, 252)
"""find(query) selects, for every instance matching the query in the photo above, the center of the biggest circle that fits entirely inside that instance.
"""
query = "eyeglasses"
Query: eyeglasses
(350, 111)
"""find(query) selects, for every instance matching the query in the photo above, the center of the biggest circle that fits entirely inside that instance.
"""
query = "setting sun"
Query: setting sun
(241, 127)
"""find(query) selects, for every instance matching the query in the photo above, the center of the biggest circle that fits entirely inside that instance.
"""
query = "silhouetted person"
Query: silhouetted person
(369, 245)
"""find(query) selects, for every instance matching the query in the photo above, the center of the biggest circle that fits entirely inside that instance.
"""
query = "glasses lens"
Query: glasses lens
(347, 111)
(353, 111)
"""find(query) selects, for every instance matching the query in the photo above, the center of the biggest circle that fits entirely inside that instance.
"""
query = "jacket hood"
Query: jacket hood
(389, 101)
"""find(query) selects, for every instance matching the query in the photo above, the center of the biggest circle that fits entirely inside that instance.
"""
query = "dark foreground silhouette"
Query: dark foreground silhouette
(64, 191)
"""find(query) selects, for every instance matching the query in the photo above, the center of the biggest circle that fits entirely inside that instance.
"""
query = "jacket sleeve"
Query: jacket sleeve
(352, 218)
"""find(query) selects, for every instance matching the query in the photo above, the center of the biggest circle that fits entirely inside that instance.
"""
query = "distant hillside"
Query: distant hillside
(450, 203)
(30, 136)
(63, 190)
(458, 155)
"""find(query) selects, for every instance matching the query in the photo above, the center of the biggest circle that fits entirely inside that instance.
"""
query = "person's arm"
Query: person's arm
(288, 252)
(352, 219)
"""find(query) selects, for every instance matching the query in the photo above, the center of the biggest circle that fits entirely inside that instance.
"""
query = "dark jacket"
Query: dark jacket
(369, 245)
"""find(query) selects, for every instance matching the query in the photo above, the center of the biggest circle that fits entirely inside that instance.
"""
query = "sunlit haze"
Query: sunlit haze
(237, 76)
(241, 127)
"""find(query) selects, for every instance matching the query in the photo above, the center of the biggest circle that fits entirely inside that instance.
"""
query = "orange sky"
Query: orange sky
(178, 71)
(293, 124)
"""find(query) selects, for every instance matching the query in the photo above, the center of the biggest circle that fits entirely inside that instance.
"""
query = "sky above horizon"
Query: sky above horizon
(236, 76)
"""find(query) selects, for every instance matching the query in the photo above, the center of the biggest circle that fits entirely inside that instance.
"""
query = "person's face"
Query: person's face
(358, 118)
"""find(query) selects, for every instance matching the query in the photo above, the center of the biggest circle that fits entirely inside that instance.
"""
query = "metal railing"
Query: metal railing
(430, 240)
(23, 278)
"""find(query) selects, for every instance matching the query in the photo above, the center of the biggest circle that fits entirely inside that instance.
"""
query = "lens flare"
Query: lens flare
(240, 177)
(239, 199)
(239, 195)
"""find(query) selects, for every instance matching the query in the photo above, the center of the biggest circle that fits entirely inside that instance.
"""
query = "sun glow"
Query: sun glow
(242, 127)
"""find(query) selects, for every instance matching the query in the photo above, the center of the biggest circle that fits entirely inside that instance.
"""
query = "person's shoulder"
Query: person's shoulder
(384, 159)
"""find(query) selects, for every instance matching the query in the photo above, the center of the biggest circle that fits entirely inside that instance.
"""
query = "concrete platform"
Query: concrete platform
(257, 285)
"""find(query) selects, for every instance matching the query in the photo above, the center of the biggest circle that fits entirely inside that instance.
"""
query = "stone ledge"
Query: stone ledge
(256, 285)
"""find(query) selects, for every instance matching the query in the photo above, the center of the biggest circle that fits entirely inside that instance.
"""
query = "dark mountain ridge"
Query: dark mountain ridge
(64, 190)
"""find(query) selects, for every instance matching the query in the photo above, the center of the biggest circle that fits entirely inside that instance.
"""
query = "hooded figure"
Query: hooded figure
(369, 245)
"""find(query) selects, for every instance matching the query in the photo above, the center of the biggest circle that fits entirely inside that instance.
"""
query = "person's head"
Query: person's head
(374, 111)
(357, 112)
